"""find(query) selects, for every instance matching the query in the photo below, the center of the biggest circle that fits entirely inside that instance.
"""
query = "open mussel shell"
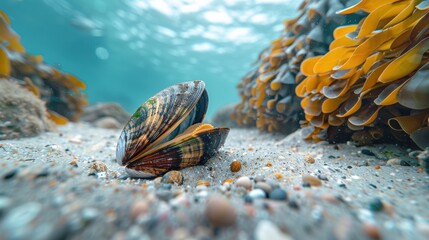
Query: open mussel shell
(166, 132)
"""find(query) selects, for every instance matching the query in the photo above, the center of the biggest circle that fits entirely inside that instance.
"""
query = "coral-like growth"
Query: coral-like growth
(60, 91)
(268, 92)
(376, 73)
(22, 114)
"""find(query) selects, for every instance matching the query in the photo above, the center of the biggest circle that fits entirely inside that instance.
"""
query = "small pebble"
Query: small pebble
(73, 163)
(166, 186)
(371, 231)
(89, 214)
(278, 194)
(248, 199)
(139, 208)
(263, 186)
(10, 174)
(5, 203)
(293, 204)
(203, 183)
(393, 161)
(273, 183)
(367, 152)
(107, 122)
(235, 166)
(278, 175)
(173, 177)
(97, 166)
(322, 177)
(309, 159)
(259, 178)
(312, 180)
(43, 173)
(20, 217)
(244, 182)
(268, 230)
(376, 205)
(228, 181)
(257, 194)
(220, 212)
(268, 164)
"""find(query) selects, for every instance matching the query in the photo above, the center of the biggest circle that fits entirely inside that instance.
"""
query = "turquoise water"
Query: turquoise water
(127, 50)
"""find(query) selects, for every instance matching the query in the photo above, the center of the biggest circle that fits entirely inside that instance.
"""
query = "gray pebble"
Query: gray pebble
(17, 223)
(263, 186)
(278, 194)
(89, 214)
(5, 203)
(259, 178)
(274, 184)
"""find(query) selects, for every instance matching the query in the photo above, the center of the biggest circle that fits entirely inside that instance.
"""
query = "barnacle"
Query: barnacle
(376, 73)
(267, 93)
(61, 91)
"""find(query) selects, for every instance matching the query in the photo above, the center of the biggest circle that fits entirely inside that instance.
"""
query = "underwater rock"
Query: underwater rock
(222, 117)
(95, 112)
(61, 91)
(376, 74)
(267, 93)
(22, 114)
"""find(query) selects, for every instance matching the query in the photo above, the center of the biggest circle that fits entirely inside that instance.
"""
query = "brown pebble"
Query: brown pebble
(420, 170)
(203, 183)
(330, 198)
(309, 159)
(371, 231)
(73, 162)
(139, 208)
(220, 212)
(235, 166)
(250, 148)
(278, 175)
(377, 167)
(97, 166)
(312, 180)
(244, 182)
(269, 164)
(173, 177)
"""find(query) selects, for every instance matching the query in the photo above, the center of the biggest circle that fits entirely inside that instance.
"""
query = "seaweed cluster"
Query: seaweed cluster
(267, 93)
(60, 91)
(376, 74)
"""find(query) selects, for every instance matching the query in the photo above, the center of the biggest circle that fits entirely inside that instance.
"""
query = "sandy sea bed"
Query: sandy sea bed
(66, 184)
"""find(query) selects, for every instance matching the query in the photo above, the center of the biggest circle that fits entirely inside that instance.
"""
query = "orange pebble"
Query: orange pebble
(235, 166)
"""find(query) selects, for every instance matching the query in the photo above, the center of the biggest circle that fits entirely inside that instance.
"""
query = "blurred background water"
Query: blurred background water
(127, 50)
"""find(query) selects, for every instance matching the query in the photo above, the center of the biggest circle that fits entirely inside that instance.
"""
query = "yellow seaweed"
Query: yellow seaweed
(406, 63)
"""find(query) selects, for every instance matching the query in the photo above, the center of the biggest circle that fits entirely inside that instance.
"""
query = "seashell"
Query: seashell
(166, 133)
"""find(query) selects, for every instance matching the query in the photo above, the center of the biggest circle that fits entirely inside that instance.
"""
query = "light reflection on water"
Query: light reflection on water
(128, 50)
